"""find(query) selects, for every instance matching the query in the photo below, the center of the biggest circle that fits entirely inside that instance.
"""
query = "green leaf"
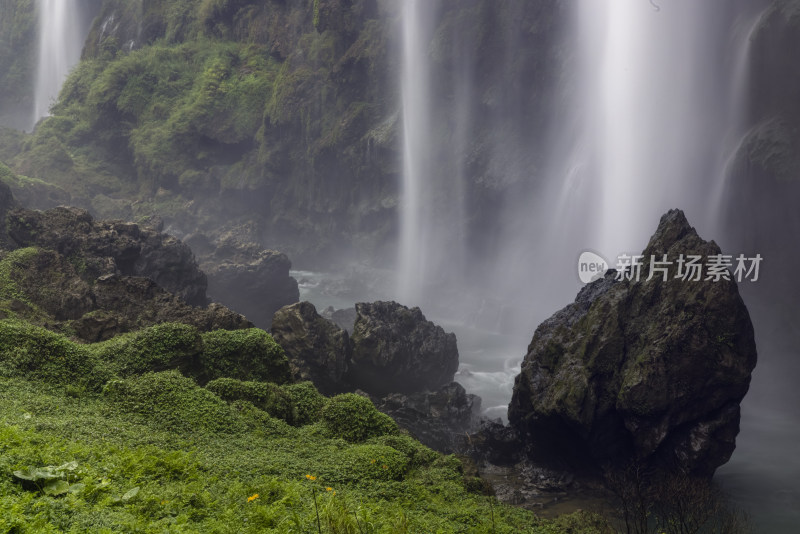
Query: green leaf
(56, 487)
(77, 488)
(130, 494)
(26, 475)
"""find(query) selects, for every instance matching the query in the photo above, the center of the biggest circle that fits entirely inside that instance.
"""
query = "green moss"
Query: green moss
(157, 348)
(249, 354)
(307, 403)
(355, 419)
(10, 267)
(266, 396)
(418, 454)
(172, 401)
(31, 352)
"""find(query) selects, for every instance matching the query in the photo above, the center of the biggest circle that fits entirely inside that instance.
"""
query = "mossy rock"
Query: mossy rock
(417, 453)
(249, 354)
(355, 419)
(157, 348)
(307, 403)
(34, 353)
(270, 398)
(172, 401)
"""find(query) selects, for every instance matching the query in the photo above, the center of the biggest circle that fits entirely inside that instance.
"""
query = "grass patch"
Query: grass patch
(156, 452)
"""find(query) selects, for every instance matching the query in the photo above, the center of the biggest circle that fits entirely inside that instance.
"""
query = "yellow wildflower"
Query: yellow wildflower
(328, 489)
(311, 477)
(252, 497)
(372, 461)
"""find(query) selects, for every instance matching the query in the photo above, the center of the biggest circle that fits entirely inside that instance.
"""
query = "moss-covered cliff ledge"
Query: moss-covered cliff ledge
(281, 120)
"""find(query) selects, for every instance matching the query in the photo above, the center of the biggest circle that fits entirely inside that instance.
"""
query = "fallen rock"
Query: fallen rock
(317, 349)
(440, 419)
(396, 350)
(647, 370)
(246, 277)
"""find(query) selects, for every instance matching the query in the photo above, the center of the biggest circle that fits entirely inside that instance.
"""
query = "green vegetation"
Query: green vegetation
(93, 441)
(244, 354)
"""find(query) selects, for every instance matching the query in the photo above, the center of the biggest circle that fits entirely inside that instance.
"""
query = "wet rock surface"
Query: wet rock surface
(253, 280)
(96, 279)
(646, 370)
(440, 419)
(397, 350)
(111, 247)
(412, 381)
(318, 350)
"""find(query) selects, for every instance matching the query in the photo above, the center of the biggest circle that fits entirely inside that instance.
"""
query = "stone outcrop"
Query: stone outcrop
(96, 279)
(402, 361)
(111, 247)
(246, 277)
(397, 350)
(317, 349)
(440, 419)
(647, 370)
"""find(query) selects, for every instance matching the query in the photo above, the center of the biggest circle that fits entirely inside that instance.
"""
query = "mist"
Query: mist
(502, 141)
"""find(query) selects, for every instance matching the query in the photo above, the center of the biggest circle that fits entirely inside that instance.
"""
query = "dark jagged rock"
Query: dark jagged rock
(650, 370)
(246, 277)
(317, 349)
(112, 247)
(396, 350)
(98, 309)
(496, 444)
(440, 419)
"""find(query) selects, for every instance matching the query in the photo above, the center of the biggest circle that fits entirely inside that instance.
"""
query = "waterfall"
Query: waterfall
(62, 29)
(656, 89)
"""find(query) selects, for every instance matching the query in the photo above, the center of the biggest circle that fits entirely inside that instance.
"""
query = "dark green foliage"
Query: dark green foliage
(307, 403)
(157, 348)
(265, 396)
(34, 353)
(172, 401)
(249, 354)
(355, 419)
(417, 453)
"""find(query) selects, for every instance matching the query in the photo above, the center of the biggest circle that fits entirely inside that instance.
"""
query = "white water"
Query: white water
(61, 34)
(415, 222)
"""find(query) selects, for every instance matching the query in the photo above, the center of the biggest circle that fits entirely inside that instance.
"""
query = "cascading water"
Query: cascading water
(416, 130)
(62, 29)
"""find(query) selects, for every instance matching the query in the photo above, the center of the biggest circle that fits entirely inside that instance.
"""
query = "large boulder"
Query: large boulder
(651, 371)
(111, 247)
(246, 277)
(440, 419)
(317, 349)
(396, 350)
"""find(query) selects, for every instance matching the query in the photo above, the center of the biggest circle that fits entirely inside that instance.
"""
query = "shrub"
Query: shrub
(418, 454)
(172, 401)
(263, 395)
(31, 352)
(249, 354)
(157, 348)
(307, 403)
(355, 419)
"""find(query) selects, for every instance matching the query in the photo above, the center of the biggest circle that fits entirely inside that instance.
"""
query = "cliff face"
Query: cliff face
(282, 119)
(17, 54)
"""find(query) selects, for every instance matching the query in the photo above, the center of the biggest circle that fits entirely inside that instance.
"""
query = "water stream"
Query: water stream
(62, 29)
